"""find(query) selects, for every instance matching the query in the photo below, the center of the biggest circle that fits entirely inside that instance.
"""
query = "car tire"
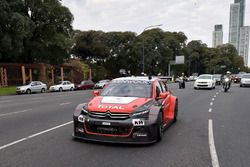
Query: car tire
(71, 89)
(60, 89)
(28, 91)
(176, 111)
(195, 87)
(160, 128)
(240, 85)
(43, 90)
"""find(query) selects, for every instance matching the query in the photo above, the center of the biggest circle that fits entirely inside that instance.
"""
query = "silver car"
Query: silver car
(32, 87)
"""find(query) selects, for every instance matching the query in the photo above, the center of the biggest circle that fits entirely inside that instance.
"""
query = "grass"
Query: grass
(7, 91)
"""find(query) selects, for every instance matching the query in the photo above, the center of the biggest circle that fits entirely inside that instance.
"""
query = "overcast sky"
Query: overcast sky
(196, 18)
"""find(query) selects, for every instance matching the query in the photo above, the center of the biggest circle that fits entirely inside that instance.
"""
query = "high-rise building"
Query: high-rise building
(242, 11)
(244, 43)
(217, 36)
(234, 25)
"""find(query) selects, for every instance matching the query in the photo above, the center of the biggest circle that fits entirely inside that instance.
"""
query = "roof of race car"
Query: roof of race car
(136, 78)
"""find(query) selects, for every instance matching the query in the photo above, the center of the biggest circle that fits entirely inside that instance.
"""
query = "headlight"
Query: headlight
(227, 80)
(141, 114)
(85, 110)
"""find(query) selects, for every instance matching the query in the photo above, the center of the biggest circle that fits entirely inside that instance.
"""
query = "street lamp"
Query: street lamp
(143, 57)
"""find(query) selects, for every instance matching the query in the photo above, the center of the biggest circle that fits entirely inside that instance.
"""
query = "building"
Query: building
(242, 11)
(217, 35)
(244, 43)
(234, 25)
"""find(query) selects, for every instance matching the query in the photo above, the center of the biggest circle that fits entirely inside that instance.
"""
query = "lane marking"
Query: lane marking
(66, 103)
(213, 153)
(34, 135)
(217, 93)
(37, 98)
(212, 99)
(211, 103)
(16, 112)
(210, 110)
(5, 101)
(214, 96)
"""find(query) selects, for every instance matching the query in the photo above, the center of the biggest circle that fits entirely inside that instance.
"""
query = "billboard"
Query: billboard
(179, 59)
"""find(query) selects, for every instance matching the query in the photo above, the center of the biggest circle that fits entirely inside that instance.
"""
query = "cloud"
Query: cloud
(196, 18)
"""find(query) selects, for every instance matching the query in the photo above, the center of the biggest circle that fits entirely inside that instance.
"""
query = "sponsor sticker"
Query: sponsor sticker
(106, 123)
(138, 122)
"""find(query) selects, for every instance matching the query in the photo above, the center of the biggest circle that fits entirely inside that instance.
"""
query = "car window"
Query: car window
(158, 89)
(128, 88)
(163, 86)
(64, 83)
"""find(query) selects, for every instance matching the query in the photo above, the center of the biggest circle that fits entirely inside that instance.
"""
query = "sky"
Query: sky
(196, 18)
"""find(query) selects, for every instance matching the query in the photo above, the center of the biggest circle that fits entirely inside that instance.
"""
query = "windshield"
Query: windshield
(82, 83)
(205, 77)
(59, 83)
(246, 76)
(129, 89)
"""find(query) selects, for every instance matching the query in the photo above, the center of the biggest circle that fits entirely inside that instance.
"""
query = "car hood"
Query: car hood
(116, 104)
(245, 79)
(203, 80)
(23, 87)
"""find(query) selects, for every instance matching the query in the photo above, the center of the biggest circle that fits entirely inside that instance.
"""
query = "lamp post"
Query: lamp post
(143, 56)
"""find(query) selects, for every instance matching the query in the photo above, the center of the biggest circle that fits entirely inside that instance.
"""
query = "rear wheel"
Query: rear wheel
(60, 89)
(71, 89)
(160, 128)
(43, 90)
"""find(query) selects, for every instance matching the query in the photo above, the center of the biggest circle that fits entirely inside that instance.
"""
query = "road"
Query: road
(35, 130)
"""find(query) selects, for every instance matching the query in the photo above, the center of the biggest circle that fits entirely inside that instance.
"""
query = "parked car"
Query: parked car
(62, 86)
(205, 81)
(32, 87)
(87, 84)
(100, 84)
(245, 80)
(218, 79)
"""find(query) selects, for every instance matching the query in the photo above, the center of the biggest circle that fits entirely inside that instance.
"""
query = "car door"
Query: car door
(38, 86)
(33, 87)
(166, 102)
(64, 85)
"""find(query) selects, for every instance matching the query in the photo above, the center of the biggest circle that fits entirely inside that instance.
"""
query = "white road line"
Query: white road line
(210, 110)
(37, 98)
(212, 99)
(62, 104)
(213, 153)
(211, 103)
(34, 135)
(217, 93)
(5, 101)
(17, 112)
(214, 96)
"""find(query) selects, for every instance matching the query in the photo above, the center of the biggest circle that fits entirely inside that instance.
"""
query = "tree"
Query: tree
(42, 36)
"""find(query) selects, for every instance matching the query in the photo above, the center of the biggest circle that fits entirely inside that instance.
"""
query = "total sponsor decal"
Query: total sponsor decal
(110, 107)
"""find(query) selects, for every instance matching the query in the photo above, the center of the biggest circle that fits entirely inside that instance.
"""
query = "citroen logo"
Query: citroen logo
(108, 114)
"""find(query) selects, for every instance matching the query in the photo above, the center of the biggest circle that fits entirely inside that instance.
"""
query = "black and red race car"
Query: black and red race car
(127, 110)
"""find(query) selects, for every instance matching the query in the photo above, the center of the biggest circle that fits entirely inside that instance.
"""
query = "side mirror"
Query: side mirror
(96, 93)
(163, 95)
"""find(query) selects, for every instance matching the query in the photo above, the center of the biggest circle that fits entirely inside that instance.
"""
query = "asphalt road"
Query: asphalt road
(35, 130)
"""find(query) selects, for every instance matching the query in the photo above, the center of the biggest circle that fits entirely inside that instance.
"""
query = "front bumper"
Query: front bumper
(116, 131)
(20, 91)
(203, 85)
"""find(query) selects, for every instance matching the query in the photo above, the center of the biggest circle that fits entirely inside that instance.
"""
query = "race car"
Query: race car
(128, 110)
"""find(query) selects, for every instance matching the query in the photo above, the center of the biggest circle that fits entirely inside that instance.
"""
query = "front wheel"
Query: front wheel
(160, 128)
(60, 89)
(28, 91)
(176, 112)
